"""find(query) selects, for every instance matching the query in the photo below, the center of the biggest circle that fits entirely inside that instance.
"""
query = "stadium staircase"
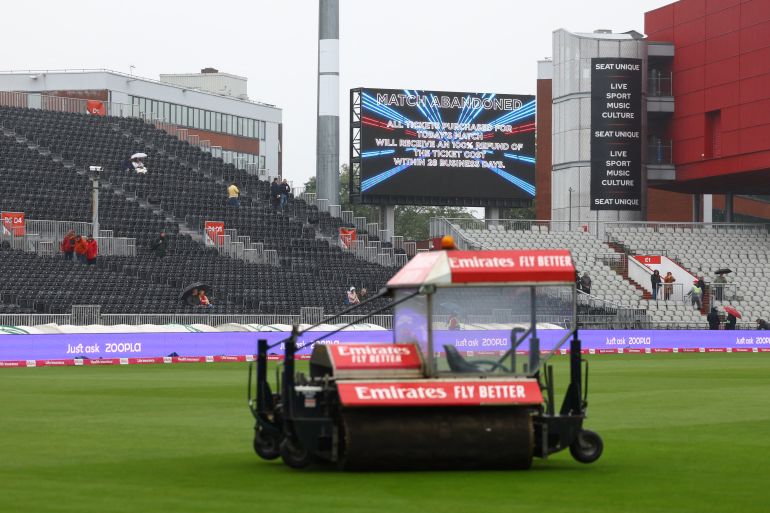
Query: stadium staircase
(45, 157)
(606, 263)
(704, 248)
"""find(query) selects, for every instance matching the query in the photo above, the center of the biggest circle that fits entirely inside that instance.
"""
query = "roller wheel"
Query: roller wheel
(266, 446)
(294, 455)
(587, 447)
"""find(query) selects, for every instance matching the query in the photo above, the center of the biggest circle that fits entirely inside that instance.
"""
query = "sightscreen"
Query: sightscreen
(445, 148)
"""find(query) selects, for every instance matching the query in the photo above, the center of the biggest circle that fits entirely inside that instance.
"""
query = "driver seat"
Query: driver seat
(456, 362)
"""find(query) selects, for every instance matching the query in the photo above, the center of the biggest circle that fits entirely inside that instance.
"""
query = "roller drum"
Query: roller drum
(487, 437)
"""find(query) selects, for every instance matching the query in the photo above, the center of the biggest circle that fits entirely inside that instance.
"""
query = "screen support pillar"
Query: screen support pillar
(388, 220)
(492, 213)
(729, 208)
(708, 208)
(696, 208)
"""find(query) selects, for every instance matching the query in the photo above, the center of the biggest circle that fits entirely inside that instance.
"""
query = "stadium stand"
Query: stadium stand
(704, 249)
(44, 156)
(606, 266)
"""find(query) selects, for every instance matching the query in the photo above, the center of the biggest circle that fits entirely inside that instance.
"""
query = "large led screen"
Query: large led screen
(436, 147)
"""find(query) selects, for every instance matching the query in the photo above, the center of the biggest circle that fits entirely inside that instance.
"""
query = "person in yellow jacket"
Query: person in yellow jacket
(232, 196)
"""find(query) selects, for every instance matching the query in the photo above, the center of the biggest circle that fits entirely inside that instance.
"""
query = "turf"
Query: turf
(683, 433)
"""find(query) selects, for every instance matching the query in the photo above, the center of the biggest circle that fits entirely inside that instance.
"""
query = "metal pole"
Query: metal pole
(328, 123)
(95, 208)
(571, 190)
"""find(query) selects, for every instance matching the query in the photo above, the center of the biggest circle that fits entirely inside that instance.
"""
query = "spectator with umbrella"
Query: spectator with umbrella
(135, 163)
(719, 283)
(732, 317)
(191, 295)
(713, 319)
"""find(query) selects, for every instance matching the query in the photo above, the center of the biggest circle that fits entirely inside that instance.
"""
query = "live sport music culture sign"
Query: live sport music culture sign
(616, 134)
(438, 147)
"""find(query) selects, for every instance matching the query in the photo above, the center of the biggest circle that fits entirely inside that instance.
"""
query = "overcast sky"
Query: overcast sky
(450, 45)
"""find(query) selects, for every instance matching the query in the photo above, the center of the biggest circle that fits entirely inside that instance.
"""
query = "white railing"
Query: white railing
(43, 236)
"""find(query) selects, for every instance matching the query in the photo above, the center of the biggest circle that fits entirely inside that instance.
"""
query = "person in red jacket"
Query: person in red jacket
(92, 249)
(80, 249)
(67, 245)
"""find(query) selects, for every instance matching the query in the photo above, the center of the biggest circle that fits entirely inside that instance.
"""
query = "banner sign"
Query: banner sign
(616, 134)
(440, 147)
(13, 223)
(347, 236)
(374, 356)
(647, 259)
(94, 346)
(439, 392)
(96, 107)
(215, 232)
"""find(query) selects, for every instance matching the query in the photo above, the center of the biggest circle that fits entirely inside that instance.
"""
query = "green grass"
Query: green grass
(683, 433)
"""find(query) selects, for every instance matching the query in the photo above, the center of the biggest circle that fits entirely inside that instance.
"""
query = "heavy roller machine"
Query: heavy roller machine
(419, 402)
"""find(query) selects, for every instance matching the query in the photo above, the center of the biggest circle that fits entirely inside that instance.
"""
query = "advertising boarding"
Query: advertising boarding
(616, 134)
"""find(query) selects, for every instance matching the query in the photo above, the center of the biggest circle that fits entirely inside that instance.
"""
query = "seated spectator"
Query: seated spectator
(233, 193)
(763, 324)
(453, 323)
(585, 283)
(160, 246)
(731, 321)
(203, 299)
(192, 299)
(81, 246)
(353, 297)
(68, 245)
(92, 250)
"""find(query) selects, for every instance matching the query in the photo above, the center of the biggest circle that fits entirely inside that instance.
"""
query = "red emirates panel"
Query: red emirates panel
(721, 72)
(439, 392)
(689, 33)
(721, 96)
(731, 142)
(754, 11)
(723, 47)
(687, 82)
(688, 126)
(688, 104)
(723, 22)
(713, 6)
(756, 138)
(508, 266)
(689, 150)
(731, 116)
(690, 57)
(755, 113)
(375, 356)
(754, 37)
(755, 63)
(688, 10)
(755, 89)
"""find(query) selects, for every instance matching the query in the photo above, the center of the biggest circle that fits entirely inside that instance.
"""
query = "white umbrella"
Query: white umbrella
(139, 156)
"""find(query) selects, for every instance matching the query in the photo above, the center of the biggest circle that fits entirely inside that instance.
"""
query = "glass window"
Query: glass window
(240, 126)
(196, 118)
(183, 121)
(262, 130)
(229, 124)
(207, 124)
(217, 122)
(166, 113)
(262, 162)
